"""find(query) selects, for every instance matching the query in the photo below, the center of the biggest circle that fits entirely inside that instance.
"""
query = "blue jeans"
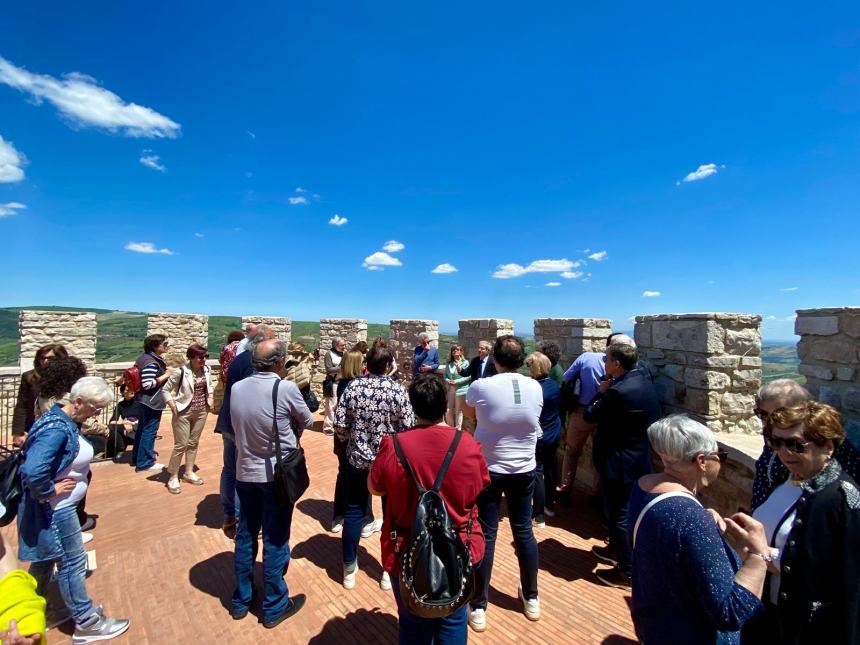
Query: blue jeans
(415, 630)
(518, 490)
(260, 510)
(71, 566)
(143, 450)
(357, 498)
(229, 498)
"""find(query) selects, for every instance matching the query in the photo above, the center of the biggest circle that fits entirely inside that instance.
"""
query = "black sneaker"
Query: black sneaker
(296, 603)
(605, 554)
(615, 577)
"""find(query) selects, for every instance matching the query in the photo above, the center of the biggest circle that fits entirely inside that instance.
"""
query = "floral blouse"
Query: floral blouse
(370, 409)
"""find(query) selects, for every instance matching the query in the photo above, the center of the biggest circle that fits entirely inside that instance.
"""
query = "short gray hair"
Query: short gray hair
(336, 340)
(264, 332)
(486, 344)
(621, 339)
(423, 336)
(787, 392)
(679, 438)
(92, 389)
(265, 358)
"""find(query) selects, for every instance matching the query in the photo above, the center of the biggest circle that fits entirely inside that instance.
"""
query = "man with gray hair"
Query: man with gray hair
(588, 370)
(263, 403)
(241, 367)
(425, 357)
(331, 362)
(770, 471)
(251, 330)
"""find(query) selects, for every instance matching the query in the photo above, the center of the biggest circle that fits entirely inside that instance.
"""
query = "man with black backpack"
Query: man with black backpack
(431, 539)
(153, 374)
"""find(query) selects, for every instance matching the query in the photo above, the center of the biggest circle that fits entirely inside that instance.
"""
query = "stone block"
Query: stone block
(750, 361)
(679, 358)
(733, 403)
(674, 372)
(703, 336)
(746, 379)
(851, 400)
(743, 342)
(830, 396)
(702, 402)
(817, 325)
(706, 379)
(642, 334)
(845, 373)
(850, 324)
(718, 362)
(831, 350)
(816, 371)
(669, 391)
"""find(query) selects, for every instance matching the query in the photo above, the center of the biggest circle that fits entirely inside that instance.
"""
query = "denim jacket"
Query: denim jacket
(51, 447)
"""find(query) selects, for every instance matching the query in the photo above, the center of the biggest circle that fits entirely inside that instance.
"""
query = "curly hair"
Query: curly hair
(59, 375)
(821, 422)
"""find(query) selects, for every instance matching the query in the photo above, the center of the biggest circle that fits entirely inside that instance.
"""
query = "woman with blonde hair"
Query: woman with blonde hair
(546, 474)
(189, 396)
(457, 386)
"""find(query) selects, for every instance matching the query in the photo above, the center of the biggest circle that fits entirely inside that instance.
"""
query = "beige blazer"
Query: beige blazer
(182, 393)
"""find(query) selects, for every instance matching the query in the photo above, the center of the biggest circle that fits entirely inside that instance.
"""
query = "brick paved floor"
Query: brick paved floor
(164, 562)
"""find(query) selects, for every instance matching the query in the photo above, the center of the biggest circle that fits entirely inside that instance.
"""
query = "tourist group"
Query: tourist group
(442, 441)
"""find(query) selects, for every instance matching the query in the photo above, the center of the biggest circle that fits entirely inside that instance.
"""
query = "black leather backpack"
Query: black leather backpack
(436, 575)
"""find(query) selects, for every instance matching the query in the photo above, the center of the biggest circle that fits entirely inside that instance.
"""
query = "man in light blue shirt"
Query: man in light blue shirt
(589, 370)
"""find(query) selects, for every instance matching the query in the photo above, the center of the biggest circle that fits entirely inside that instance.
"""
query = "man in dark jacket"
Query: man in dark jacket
(623, 409)
(482, 366)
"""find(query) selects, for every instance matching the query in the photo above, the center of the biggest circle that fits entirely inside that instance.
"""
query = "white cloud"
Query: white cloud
(198, 235)
(553, 284)
(513, 270)
(11, 163)
(146, 247)
(10, 208)
(571, 275)
(445, 268)
(790, 289)
(771, 318)
(337, 220)
(152, 161)
(301, 190)
(651, 294)
(295, 201)
(598, 256)
(702, 172)
(251, 134)
(376, 261)
(393, 246)
(790, 318)
(80, 99)
(505, 271)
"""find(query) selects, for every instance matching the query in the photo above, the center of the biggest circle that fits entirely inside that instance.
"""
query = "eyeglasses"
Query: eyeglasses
(721, 455)
(792, 445)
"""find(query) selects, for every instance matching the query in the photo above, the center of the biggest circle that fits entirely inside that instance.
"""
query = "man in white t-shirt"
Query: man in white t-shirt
(507, 407)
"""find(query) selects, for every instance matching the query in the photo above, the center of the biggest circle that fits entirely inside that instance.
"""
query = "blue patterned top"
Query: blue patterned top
(369, 409)
(683, 576)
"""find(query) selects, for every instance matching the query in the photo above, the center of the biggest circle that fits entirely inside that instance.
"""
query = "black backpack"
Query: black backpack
(436, 576)
(10, 483)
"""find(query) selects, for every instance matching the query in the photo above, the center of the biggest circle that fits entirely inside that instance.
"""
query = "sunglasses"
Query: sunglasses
(792, 445)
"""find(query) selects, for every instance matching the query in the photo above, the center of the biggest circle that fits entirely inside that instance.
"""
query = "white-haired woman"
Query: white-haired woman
(702, 592)
(54, 476)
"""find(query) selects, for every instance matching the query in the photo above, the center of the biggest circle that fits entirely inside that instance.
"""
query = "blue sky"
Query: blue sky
(637, 158)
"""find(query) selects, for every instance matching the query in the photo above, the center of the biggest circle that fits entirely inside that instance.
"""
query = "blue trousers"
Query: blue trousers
(229, 498)
(260, 510)
(518, 490)
(71, 566)
(414, 630)
(143, 450)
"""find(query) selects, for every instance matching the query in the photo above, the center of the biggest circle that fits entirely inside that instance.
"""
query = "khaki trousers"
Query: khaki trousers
(578, 432)
(330, 403)
(187, 428)
(454, 413)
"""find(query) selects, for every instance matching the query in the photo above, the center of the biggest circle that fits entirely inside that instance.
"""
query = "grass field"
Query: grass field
(121, 333)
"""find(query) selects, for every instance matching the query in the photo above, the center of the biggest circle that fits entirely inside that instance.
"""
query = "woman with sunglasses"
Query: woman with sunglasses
(189, 396)
(812, 522)
(689, 585)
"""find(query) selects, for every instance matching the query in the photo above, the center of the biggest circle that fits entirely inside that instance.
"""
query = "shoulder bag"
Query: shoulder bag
(291, 477)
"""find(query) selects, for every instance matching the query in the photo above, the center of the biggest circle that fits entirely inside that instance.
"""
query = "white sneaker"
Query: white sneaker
(369, 529)
(478, 620)
(548, 512)
(385, 582)
(173, 486)
(86, 538)
(349, 575)
(154, 467)
(337, 526)
(531, 606)
(540, 522)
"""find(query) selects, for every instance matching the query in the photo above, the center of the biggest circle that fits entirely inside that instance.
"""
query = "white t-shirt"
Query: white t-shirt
(77, 470)
(770, 513)
(508, 408)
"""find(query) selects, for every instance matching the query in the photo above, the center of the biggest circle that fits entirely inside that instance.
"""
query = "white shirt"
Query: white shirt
(508, 408)
(770, 513)
(77, 470)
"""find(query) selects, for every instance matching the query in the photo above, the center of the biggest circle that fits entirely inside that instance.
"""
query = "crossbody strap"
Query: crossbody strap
(275, 420)
(656, 500)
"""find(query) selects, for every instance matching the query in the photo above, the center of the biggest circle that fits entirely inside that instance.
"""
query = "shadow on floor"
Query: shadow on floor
(615, 639)
(209, 512)
(214, 576)
(325, 552)
(502, 600)
(565, 562)
(318, 509)
(382, 626)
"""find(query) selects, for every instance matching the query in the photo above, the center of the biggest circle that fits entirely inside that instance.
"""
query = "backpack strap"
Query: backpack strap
(403, 462)
(656, 500)
(447, 462)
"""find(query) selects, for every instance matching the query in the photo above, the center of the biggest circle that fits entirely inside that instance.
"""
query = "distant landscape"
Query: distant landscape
(121, 333)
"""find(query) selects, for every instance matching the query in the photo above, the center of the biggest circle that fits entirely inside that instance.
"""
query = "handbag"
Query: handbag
(310, 398)
(328, 387)
(10, 484)
(291, 477)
